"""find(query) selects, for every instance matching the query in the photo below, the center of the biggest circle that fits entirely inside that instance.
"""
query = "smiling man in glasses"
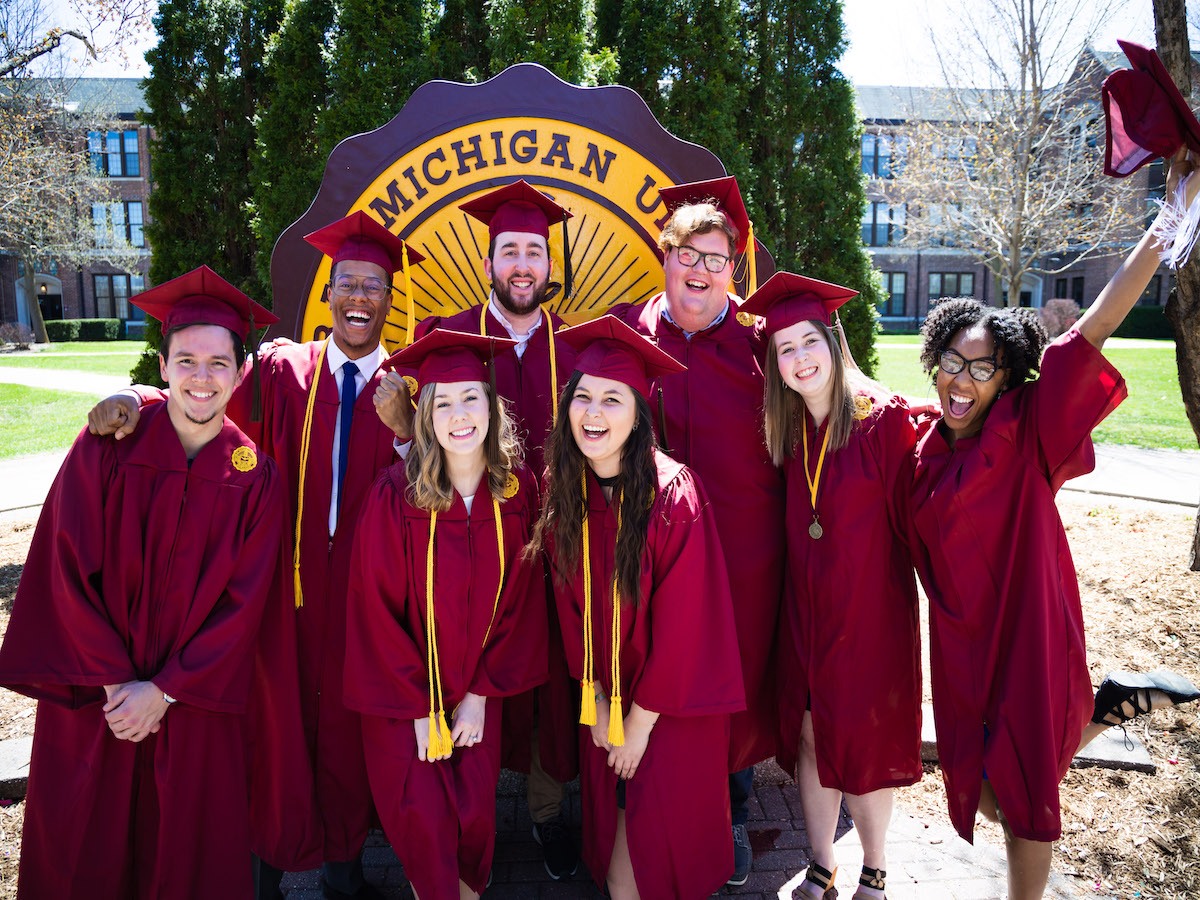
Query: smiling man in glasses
(710, 419)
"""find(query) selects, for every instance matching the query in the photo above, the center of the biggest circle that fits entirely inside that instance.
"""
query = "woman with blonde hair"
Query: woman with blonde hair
(444, 617)
(647, 626)
(848, 649)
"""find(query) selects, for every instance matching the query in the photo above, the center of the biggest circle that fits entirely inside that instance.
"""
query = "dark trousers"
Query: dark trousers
(740, 785)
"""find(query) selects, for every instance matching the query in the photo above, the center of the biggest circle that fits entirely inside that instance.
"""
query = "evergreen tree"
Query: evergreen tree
(377, 56)
(458, 45)
(802, 130)
(559, 35)
(642, 32)
(205, 77)
(287, 168)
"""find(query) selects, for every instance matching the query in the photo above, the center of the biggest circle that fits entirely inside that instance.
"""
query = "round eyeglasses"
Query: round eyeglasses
(689, 256)
(983, 369)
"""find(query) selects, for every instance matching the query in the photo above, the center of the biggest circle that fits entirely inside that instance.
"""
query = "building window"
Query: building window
(892, 303)
(883, 155)
(1060, 288)
(1152, 295)
(951, 284)
(119, 221)
(883, 224)
(1077, 289)
(112, 295)
(115, 153)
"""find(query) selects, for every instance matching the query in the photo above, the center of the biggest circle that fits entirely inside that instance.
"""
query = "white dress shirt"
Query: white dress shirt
(366, 368)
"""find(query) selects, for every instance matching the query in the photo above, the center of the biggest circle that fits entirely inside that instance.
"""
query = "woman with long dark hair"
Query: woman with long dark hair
(647, 625)
(445, 617)
(1011, 690)
(848, 650)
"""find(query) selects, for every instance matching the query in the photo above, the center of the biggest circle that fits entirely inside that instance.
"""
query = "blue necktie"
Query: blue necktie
(346, 417)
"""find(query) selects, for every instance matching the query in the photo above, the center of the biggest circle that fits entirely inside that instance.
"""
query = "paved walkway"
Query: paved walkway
(925, 861)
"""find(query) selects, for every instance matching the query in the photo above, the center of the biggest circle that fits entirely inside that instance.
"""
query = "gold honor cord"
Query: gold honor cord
(439, 733)
(305, 439)
(814, 484)
(549, 325)
(587, 714)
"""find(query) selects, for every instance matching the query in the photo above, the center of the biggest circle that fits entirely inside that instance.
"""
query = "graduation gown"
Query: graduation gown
(525, 383)
(849, 635)
(144, 568)
(441, 816)
(333, 768)
(714, 426)
(679, 658)
(1011, 691)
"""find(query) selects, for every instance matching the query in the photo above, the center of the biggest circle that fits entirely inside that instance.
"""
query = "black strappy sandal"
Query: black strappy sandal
(875, 879)
(1121, 688)
(820, 877)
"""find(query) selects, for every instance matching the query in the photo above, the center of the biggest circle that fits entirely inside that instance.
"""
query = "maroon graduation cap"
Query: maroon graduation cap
(1146, 117)
(785, 299)
(608, 348)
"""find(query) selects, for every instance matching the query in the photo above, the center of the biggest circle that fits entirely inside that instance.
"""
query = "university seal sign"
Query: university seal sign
(598, 152)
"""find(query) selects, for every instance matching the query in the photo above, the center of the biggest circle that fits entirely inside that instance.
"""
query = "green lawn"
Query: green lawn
(1153, 416)
(97, 357)
(33, 420)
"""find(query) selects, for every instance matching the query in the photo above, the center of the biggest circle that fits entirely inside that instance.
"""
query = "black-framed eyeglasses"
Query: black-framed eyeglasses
(983, 369)
(372, 288)
(689, 256)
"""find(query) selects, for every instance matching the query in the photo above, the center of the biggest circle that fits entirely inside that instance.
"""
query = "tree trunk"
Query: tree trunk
(1183, 306)
(36, 323)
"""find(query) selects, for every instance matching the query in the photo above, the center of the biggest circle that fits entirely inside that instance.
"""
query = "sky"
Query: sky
(891, 42)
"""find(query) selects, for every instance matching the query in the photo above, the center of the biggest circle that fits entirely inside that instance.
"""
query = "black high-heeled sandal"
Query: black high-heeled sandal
(821, 878)
(875, 879)
(1121, 688)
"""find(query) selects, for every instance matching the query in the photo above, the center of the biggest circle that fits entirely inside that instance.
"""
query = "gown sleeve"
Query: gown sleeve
(693, 667)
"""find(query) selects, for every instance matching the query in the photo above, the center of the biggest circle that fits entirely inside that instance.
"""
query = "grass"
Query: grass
(33, 420)
(98, 358)
(1153, 416)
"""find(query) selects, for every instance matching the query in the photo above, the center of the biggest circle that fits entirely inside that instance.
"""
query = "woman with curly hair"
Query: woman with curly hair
(647, 626)
(445, 617)
(1012, 695)
(848, 648)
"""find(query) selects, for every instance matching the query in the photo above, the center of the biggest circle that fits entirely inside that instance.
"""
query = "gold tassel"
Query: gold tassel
(751, 262)
(445, 740)
(587, 702)
(616, 722)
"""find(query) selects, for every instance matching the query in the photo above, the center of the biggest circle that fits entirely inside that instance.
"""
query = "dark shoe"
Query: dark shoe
(741, 857)
(874, 879)
(366, 892)
(819, 881)
(558, 849)
(1121, 688)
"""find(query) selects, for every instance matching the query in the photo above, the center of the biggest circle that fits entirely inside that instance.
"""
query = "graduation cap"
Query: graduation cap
(608, 348)
(202, 297)
(1146, 117)
(786, 299)
(447, 356)
(724, 194)
(522, 208)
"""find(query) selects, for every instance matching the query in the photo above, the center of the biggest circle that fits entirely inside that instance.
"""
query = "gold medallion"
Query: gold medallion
(511, 486)
(747, 319)
(244, 459)
(815, 530)
(862, 406)
(413, 387)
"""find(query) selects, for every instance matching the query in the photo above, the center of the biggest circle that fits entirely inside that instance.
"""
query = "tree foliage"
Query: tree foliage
(1014, 173)
(559, 34)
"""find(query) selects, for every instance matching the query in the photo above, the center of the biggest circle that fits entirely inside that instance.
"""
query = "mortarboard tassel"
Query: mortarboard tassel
(1177, 227)
(305, 438)
(751, 261)
(662, 423)
(566, 264)
(255, 377)
(412, 312)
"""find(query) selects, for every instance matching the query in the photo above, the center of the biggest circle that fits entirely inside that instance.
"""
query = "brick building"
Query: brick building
(118, 149)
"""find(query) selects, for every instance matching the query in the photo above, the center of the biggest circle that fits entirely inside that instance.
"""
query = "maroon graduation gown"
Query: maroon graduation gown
(679, 658)
(441, 816)
(525, 383)
(714, 426)
(1011, 692)
(849, 639)
(142, 568)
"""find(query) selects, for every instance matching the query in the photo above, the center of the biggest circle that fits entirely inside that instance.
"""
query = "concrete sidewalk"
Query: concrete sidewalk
(61, 380)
